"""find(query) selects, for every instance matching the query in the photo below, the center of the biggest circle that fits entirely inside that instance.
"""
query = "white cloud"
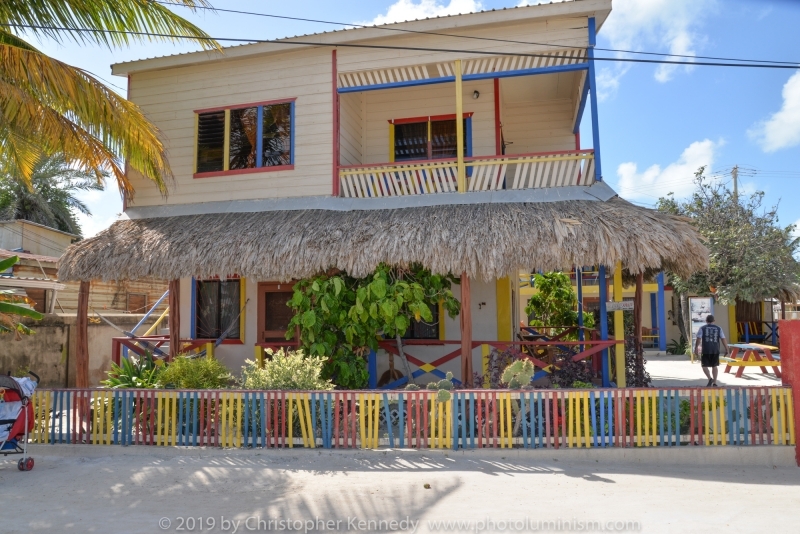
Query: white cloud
(104, 205)
(669, 25)
(782, 129)
(677, 177)
(409, 10)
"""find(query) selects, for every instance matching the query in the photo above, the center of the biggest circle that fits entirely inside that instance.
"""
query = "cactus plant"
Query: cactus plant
(518, 374)
(412, 387)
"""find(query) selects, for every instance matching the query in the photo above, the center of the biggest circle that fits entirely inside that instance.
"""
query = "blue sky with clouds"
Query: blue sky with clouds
(658, 124)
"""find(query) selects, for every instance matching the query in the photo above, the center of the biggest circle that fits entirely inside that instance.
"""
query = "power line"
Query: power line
(512, 41)
(387, 47)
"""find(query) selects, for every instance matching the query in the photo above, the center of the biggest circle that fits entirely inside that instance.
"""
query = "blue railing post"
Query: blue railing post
(603, 294)
(747, 332)
(372, 367)
(593, 94)
(662, 315)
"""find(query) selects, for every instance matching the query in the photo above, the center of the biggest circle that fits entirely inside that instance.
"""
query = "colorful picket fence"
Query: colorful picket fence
(415, 419)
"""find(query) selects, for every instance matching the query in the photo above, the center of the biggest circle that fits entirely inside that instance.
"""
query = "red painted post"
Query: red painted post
(790, 367)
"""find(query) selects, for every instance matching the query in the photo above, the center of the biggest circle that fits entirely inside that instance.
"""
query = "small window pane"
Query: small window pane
(411, 141)
(277, 135)
(229, 308)
(276, 313)
(423, 330)
(443, 142)
(217, 309)
(210, 141)
(244, 125)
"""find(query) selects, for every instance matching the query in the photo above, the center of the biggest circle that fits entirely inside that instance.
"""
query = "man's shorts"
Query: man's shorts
(710, 360)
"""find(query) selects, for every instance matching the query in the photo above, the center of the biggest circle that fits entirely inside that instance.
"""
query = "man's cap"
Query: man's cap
(710, 319)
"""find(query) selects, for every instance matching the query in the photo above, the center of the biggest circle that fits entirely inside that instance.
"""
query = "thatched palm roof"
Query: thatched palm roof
(487, 241)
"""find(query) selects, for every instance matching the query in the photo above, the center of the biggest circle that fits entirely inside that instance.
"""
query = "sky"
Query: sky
(657, 123)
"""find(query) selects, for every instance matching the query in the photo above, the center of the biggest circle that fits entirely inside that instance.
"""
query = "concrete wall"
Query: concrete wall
(50, 351)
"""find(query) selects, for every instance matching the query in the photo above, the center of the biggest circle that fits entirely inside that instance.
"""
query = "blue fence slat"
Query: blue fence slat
(464, 420)
(593, 415)
(541, 417)
(401, 401)
(471, 420)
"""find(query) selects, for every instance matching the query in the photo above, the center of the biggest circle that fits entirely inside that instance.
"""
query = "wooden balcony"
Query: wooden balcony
(483, 173)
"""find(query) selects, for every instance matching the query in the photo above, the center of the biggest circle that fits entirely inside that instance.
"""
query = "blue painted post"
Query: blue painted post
(579, 284)
(372, 365)
(662, 315)
(260, 136)
(593, 86)
(747, 332)
(774, 332)
(603, 294)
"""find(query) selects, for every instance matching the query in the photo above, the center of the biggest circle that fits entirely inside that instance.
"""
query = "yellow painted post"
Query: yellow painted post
(733, 336)
(442, 329)
(485, 349)
(462, 172)
(226, 150)
(776, 427)
(503, 299)
(448, 415)
(391, 142)
(619, 327)
(586, 434)
(790, 415)
(259, 353)
(362, 422)
(376, 418)
(196, 130)
(509, 426)
(210, 350)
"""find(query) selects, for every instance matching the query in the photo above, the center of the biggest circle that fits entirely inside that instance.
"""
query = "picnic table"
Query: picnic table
(752, 355)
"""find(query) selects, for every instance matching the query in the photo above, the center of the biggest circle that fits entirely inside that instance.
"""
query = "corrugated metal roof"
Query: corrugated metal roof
(26, 256)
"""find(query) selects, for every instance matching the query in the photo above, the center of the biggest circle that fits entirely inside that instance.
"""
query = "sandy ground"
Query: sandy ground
(112, 491)
(679, 371)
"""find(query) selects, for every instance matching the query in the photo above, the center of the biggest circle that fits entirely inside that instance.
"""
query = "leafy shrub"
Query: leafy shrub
(498, 362)
(677, 347)
(134, 372)
(195, 373)
(286, 370)
(582, 385)
(571, 372)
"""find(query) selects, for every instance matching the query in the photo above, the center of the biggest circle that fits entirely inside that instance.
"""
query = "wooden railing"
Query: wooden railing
(485, 173)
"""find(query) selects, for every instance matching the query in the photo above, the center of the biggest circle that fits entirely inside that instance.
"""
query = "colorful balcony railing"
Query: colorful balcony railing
(486, 173)
(649, 417)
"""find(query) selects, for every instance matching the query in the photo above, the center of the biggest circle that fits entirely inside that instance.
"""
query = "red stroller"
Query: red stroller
(16, 417)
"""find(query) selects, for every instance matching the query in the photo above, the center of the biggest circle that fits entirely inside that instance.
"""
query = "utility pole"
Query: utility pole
(735, 174)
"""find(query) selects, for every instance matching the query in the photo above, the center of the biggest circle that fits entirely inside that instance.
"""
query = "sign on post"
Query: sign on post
(625, 305)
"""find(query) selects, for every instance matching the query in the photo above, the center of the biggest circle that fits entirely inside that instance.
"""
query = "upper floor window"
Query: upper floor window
(429, 138)
(243, 138)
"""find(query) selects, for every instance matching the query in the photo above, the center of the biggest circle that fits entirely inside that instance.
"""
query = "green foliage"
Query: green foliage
(582, 385)
(49, 198)
(11, 308)
(290, 370)
(195, 373)
(518, 374)
(341, 317)
(412, 387)
(751, 256)
(677, 346)
(141, 372)
(555, 303)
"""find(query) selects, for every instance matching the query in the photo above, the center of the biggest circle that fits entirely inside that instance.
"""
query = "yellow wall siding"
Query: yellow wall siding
(169, 98)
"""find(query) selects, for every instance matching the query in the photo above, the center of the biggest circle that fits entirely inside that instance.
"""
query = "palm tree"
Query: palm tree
(49, 197)
(47, 106)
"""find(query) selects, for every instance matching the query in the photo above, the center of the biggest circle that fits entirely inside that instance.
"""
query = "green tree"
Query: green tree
(751, 256)
(341, 317)
(49, 198)
(555, 303)
(47, 106)
(12, 306)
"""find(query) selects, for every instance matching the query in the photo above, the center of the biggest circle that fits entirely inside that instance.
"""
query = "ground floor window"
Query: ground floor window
(273, 313)
(217, 308)
(423, 330)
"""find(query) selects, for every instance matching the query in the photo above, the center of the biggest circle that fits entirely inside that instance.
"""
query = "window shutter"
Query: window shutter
(210, 141)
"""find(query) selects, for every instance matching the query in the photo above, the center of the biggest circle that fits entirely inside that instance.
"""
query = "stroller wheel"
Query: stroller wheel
(21, 464)
(29, 464)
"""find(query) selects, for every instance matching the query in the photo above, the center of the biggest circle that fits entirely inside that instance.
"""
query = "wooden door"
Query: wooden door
(273, 313)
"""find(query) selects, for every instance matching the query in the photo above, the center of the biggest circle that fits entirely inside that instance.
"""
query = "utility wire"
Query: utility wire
(386, 47)
(384, 28)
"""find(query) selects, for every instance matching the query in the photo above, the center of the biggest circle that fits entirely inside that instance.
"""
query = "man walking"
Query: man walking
(709, 337)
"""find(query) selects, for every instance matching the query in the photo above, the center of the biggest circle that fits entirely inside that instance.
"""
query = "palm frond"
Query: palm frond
(67, 110)
(78, 16)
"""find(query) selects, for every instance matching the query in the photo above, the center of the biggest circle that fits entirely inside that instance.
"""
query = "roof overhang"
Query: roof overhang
(600, 9)
(30, 283)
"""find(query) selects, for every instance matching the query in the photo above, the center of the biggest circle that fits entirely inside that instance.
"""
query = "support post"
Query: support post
(603, 294)
(734, 331)
(637, 329)
(498, 125)
(662, 314)
(82, 338)
(593, 94)
(790, 372)
(335, 93)
(174, 318)
(259, 354)
(462, 171)
(504, 312)
(619, 327)
(466, 331)
(372, 367)
(579, 285)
